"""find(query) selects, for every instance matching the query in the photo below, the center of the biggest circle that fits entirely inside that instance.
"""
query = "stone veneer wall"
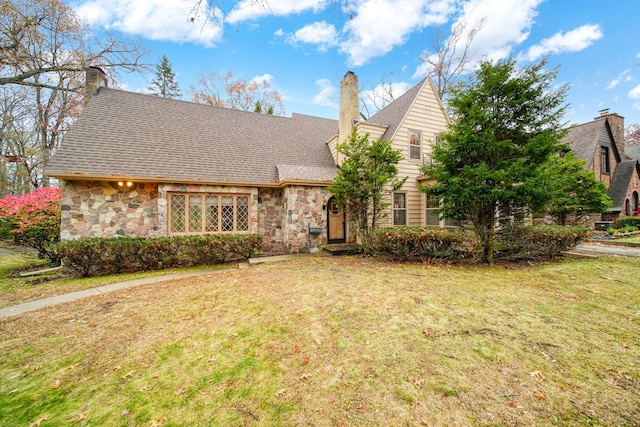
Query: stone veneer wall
(270, 220)
(102, 209)
(304, 206)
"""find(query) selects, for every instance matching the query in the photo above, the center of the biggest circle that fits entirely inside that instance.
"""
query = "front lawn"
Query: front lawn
(15, 289)
(337, 341)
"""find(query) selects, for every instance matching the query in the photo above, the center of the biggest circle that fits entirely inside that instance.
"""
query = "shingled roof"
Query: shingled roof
(393, 114)
(124, 135)
(584, 139)
(620, 182)
(633, 151)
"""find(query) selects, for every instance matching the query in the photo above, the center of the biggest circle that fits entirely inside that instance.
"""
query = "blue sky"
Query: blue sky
(304, 47)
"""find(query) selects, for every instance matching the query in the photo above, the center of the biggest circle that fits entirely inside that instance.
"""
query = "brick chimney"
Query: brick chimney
(95, 78)
(349, 106)
(616, 123)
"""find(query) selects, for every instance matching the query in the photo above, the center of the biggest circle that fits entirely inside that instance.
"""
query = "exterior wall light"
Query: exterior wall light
(125, 184)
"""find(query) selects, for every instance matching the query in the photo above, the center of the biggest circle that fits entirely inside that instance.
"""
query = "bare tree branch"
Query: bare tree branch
(451, 55)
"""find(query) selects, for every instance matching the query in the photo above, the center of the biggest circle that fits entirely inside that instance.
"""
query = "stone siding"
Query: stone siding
(304, 207)
(271, 217)
(281, 216)
(103, 209)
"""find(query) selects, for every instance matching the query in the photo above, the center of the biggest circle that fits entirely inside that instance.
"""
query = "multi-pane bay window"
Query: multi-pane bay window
(205, 213)
(399, 209)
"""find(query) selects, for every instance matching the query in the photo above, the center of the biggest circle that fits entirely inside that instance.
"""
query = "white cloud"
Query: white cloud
(635, 93)
(625, 76)
(328, 94)
(380, 96)
(268, 78)
(505, 24)
(320, 33)
(381, 25)
(155, 19)
(247, 10)
(573, 41)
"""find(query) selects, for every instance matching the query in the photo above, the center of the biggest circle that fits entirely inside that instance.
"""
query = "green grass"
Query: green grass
(15, 289)
(631, 239)
(332, 341)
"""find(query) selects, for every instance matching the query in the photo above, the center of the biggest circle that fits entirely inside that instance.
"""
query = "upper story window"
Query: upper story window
(414, 144)
(399, 209)
(604, 160)
(205, 213)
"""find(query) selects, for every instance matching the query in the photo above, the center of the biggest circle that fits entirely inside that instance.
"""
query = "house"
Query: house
(601, 144)
(142, 165)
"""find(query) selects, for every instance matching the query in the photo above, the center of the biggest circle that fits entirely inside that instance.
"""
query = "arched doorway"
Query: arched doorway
(634, 201)
(336, 223)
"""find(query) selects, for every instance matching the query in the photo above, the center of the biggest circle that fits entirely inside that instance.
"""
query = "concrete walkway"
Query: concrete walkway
(609, 249)
(73, 296)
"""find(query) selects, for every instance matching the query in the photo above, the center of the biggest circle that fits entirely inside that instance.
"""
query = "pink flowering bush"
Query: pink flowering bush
(33, 219)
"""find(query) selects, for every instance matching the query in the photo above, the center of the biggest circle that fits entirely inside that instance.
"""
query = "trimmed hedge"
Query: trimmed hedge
(97, 256)
(426, 244)
(537, 242)
(627, 221)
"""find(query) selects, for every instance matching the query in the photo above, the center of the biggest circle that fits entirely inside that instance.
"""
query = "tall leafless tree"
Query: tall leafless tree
(450, 57)
(232, 92)
(45, 49)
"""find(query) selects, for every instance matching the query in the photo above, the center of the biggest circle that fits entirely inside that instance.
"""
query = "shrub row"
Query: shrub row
(538, 242)
(422, 243)
(628, 221)
(427, 244)
(96, 256)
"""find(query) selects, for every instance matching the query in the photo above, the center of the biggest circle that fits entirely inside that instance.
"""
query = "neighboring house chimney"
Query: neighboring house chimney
(616, 123)
(349, 106)
(95, 78)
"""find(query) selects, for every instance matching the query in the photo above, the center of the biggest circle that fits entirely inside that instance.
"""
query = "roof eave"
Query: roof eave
(66, 176)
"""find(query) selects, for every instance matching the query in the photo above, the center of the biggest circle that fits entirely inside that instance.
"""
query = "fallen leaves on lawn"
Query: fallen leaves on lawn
(39, 421)
(128, 374)
(539, 395)
(56, 384)
(536, 375)
(78, 418)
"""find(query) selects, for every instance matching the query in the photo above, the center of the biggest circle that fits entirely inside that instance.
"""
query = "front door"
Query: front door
(336, 222)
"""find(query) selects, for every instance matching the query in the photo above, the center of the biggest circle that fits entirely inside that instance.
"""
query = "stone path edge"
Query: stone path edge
(99, 290)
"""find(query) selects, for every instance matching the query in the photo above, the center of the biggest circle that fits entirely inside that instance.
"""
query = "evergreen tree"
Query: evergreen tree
(492, 158)
(575, 191)
(164, 84)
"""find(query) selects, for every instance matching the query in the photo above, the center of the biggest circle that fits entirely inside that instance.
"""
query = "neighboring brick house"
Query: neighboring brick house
(142, 165)
(601, 144)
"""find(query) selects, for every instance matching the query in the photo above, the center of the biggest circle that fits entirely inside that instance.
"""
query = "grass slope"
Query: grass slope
(337, 342)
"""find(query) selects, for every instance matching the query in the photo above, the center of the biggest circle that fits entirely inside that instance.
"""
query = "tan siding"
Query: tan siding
(375, 131)
(333, 147)
(425, 115)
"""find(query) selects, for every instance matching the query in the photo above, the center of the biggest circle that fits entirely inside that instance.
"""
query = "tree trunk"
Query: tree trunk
(488, 237)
